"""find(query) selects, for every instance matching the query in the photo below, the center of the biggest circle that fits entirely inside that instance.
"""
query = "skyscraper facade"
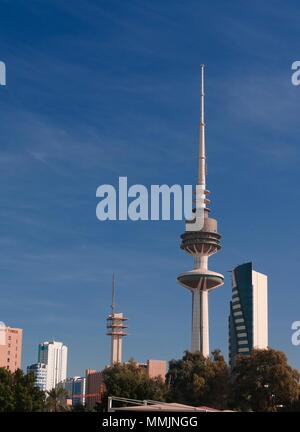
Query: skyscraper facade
(75, 387)
(40, 373)
(248, 319)
(54, 354)
(95, 388)
(78, 396)
(10, 347)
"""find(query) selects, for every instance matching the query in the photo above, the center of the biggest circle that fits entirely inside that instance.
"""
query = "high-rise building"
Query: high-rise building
(40, 373)
(248, 319)
(54, 354)
(78, 396)
(95, 388)
(201, 241)
(67, 385)
(10, 347)
(75, 387)
(116, 330)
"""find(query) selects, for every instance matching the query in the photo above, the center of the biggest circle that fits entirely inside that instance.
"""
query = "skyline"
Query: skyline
(110, 91)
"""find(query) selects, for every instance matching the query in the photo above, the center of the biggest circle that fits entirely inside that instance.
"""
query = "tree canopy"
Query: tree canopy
(129, 380)
(261, 381)
(199, 380)
(18, 392)
(264, 381)
(57, 400)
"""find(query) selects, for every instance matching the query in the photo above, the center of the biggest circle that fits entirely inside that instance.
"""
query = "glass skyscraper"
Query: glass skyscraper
(248, 319)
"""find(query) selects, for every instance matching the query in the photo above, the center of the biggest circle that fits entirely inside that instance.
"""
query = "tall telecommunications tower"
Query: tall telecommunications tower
(116, 329)
(201, 245)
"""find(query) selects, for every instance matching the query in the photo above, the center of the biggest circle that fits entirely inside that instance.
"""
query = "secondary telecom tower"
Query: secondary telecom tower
(201, 245)
(116, 329)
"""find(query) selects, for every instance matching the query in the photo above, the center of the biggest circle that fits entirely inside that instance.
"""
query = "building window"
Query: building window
(239, 313)
(242, 342)
(240, 335)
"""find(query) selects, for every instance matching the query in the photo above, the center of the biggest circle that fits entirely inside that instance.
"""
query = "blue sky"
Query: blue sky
(102, 89)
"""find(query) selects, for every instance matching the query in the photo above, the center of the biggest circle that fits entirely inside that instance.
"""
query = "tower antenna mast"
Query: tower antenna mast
(116, 329)
(201, 155)
(113, 304)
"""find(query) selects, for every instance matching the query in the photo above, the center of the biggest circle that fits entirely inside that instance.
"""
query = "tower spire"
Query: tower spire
(201, 155)
(113, 304)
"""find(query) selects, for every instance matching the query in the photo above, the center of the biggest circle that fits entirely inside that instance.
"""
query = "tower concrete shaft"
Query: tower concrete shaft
(116, 330)
(201, 245)
(200, 323)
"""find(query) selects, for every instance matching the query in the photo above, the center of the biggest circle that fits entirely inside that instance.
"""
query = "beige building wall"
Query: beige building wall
(260, 310)
(157, 368)
(10, 348)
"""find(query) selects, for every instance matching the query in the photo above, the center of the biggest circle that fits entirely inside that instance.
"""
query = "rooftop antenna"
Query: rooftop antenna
(116, 329)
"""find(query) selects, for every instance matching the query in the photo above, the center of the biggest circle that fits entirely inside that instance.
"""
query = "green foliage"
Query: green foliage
(197, 380)
(56, 400)
(263, 381)
(131, 381)
(18, 392)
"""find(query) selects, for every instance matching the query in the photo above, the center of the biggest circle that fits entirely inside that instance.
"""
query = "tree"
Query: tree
(198, 380)
(57, 400)
(131, 381)
(18, 392)
(218, 394)
(294, 406)
(263, 381)
(7, 397)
